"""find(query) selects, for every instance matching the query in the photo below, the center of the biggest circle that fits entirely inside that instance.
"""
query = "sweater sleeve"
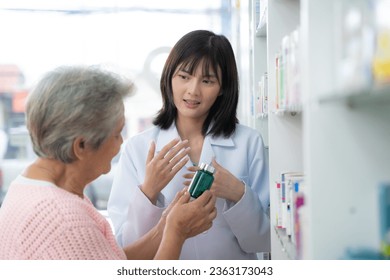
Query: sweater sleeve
(81, 243)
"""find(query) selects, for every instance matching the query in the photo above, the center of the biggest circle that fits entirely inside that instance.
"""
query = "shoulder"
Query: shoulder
(69, 207)
(44, 217)
(144, 137)
(245, 136)
(246, 132)
(51, 203)
(137, 146)
(51, 208)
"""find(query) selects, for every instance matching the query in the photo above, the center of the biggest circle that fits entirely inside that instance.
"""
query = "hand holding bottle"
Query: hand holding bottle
(189, 218)
(225, 184)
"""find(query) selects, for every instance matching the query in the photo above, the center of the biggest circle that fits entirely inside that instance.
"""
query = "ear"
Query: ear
(220, 93)
(79, 148)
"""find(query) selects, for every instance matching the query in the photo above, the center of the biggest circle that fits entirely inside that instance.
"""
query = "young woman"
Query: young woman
(199, 87)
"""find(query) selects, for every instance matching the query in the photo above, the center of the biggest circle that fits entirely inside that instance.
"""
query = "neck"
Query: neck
(192, 131)
(189, 128)
(62, 175)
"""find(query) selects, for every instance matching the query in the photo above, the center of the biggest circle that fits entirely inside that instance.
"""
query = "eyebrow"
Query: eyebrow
(212, 75)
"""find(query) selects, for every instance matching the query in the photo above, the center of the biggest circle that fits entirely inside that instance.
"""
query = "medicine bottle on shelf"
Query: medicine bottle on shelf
(202, 180)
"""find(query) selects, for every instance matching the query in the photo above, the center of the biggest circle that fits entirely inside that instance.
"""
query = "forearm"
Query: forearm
(170, 247)
(248, 222)
(146, 247)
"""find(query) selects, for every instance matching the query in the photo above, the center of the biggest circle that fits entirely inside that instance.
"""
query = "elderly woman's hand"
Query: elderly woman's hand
(189, 218)
(161, 168)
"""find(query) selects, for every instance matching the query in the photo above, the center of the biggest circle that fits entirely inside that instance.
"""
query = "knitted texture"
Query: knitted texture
(47, 222)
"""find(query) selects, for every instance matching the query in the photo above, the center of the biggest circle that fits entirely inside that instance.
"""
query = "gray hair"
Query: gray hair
(74, 101)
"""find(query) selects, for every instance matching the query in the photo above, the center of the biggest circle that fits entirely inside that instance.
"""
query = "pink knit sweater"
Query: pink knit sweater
(41, 221)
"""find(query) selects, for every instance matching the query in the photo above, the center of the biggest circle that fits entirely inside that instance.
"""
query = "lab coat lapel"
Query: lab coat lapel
(207, 150)
(165, 136)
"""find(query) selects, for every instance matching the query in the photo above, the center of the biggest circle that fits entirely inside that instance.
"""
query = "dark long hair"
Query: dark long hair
(216, 51)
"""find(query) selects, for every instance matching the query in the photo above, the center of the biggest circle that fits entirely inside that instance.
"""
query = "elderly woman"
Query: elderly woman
(75, 116)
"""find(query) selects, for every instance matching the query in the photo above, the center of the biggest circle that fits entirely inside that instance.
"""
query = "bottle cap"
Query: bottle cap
(209, 168)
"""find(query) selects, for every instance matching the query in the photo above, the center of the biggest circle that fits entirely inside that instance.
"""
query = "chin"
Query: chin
(107, 170)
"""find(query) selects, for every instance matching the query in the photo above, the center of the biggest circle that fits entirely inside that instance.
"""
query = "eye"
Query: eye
(209, 81)
(183, 75)
(119, 134)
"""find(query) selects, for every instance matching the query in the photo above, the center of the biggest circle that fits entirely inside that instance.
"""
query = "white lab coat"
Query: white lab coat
(240, 229)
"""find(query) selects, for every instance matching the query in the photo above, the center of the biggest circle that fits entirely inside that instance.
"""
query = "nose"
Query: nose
(193, 87)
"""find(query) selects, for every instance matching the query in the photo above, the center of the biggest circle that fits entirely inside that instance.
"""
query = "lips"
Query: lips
(191, 102)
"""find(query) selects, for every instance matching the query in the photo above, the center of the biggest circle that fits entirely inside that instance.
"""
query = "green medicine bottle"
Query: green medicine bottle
(202, 180)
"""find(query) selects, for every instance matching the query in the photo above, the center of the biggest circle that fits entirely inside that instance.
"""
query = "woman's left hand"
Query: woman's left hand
(225, 184)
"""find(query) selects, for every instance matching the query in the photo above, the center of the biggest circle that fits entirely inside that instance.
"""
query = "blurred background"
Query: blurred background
(132, 37)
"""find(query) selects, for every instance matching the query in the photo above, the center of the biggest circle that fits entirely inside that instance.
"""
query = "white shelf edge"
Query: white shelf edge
(289, 111)
(288, 246)
(261, 30)
(367, 97)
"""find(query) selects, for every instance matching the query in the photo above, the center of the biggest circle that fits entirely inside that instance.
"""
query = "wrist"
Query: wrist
(175, 235)
(175, 230)
(170, 246)
(239, 191)
(149, 194)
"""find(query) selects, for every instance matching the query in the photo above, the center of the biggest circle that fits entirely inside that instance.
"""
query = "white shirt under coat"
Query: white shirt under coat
(240, 229)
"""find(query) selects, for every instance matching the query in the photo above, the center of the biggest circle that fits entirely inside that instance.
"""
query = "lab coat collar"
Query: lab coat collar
(165, 136)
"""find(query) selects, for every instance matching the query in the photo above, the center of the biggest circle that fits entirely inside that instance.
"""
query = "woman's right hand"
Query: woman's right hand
(161, 168)
(189, 218)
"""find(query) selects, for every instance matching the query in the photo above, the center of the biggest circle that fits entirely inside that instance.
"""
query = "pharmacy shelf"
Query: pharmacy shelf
(376, 96)
(285, 243)
(338, 139)
(261, 31)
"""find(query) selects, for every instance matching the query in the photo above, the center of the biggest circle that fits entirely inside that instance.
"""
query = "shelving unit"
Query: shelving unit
(364, 98)
(258, 65)
(339, 138)
(347, 149)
